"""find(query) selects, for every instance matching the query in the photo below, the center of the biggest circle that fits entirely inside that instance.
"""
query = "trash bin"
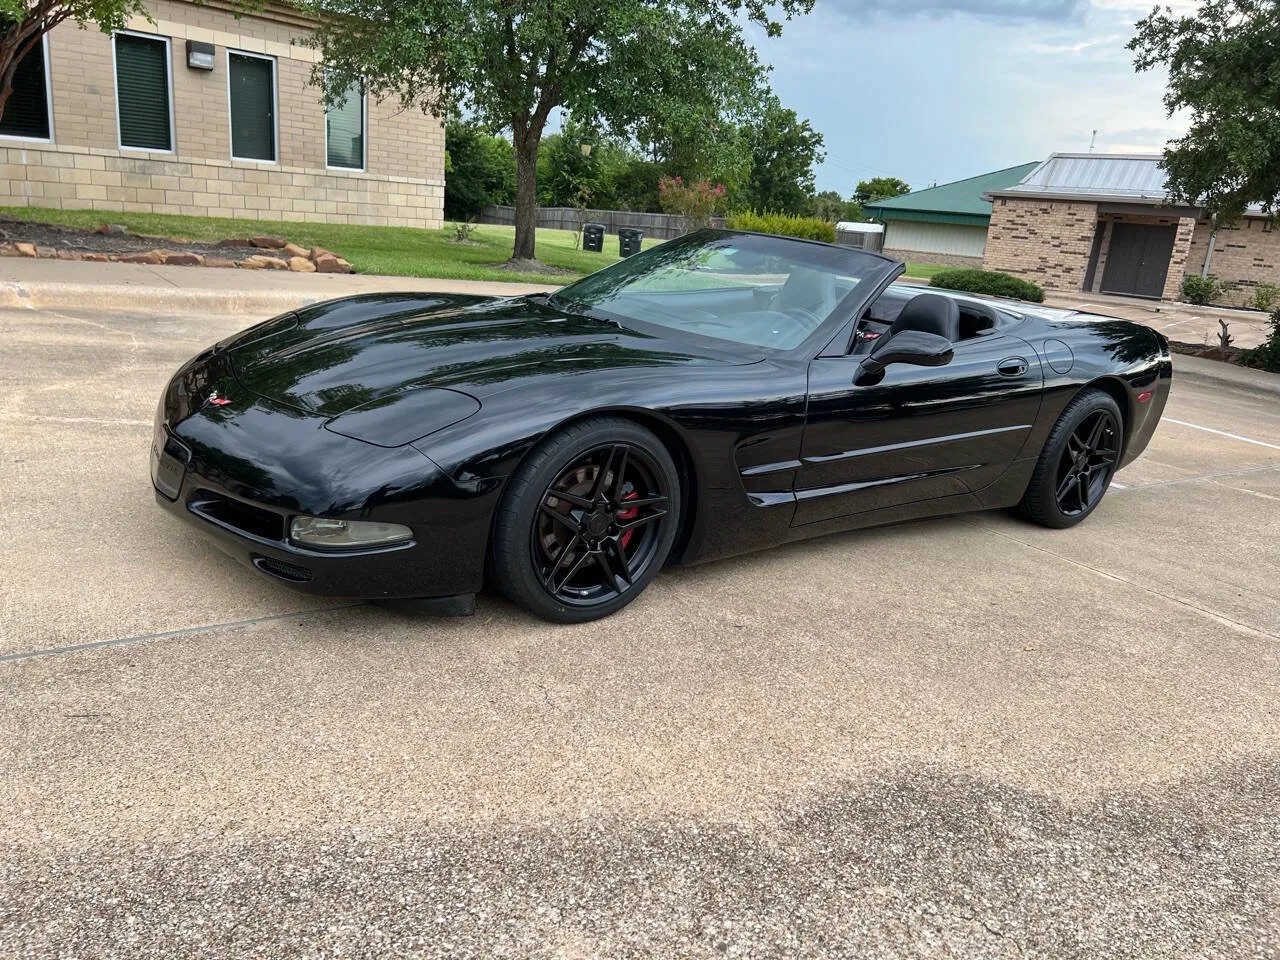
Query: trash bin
(593, 237)
(629, 241)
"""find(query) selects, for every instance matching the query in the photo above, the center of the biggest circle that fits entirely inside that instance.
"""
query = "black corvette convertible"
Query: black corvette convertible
(720, 393)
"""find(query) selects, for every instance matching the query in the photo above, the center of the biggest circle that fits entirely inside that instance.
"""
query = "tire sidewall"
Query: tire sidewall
(513, 569)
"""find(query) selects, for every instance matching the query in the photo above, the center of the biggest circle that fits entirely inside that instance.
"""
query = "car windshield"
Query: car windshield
(739, 287)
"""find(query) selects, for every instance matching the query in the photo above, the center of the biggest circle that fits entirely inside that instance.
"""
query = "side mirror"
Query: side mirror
(915, 347)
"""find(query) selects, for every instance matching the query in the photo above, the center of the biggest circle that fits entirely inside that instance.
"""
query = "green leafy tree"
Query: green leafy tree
(510, 63)
(830, 206)
(1224, 68)
(24, 22)
(784, 149)
(880, 188)
(481, 170)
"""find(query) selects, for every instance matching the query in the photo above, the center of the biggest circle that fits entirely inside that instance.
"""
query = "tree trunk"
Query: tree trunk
(526, 196)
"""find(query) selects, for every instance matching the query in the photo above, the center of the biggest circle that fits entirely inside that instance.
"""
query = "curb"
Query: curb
(1222, 375)
(66, 296)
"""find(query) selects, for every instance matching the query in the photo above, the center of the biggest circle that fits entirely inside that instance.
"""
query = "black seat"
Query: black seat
(929, 313)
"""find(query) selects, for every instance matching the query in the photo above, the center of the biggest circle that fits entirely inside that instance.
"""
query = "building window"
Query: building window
(26, 112)
(344, 131)
(253, 106)
(143, 101)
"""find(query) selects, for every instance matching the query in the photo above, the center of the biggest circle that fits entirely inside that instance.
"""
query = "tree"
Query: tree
(784, 149)
(510, 63)
(880, 188)
(481, 170)
(24, 22)
(830, 206)
(1224, 67)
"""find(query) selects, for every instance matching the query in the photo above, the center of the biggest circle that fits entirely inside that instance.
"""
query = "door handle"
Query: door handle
(1012, 367)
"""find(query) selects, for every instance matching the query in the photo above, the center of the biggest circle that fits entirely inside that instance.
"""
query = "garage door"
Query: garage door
(1138, 259)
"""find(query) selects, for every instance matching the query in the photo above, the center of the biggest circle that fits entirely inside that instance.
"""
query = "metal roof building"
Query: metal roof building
(944, 224)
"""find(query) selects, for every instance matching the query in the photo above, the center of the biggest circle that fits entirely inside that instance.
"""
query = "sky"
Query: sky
(939, 90)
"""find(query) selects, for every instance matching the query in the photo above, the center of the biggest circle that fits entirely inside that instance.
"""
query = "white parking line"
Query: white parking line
(1223, 433)
(1119, 486)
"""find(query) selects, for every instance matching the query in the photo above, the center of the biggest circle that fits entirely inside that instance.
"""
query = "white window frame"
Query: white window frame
(364, 137)
(168, 74)
(48, 101)
(275, 109)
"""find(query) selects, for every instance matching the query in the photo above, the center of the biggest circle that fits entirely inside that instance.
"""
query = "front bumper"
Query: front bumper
(239, 473)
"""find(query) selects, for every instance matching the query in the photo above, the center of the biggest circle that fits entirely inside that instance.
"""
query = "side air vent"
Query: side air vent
(292, 572)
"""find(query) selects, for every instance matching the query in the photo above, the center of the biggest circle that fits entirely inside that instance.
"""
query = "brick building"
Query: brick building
(1100, 223)
(204, 114)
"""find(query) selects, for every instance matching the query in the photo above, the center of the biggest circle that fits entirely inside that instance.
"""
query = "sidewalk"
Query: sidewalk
(66, 284)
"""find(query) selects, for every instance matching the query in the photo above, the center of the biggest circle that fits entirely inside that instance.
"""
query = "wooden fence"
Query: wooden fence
(662, 226)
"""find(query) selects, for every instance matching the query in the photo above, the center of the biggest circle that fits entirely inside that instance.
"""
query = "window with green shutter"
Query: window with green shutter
(142, 92)
(26, 112)
(253, 106)
(344, 131)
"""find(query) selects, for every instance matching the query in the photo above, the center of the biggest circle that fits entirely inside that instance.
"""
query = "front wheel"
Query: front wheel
(586, 521)
(1077, 462)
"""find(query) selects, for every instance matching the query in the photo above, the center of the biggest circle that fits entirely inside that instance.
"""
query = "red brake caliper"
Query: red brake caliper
(627, 515)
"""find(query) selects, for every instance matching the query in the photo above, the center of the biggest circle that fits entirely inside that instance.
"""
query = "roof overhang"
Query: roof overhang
(928, 216)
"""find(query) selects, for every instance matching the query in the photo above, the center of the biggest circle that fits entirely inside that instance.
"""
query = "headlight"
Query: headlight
(321, 532)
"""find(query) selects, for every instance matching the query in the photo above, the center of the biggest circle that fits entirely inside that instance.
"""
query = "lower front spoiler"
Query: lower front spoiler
(398, 574)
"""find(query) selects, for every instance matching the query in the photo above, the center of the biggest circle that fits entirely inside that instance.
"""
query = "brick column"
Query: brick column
(1178, 259)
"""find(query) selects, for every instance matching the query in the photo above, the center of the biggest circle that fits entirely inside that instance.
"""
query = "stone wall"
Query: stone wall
(1245, 254)
(83, 166)
(1045, 241)
(941, 259)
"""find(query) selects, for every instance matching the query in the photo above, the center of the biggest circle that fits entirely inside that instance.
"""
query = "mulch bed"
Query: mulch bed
(122, 244)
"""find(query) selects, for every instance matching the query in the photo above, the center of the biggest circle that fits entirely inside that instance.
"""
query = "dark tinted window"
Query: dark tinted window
(26, 113)
(253, 114)
(142, 92)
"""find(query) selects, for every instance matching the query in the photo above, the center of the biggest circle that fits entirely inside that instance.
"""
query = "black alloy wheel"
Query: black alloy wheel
(1087, 462)
(598, 506)
(1077, 462)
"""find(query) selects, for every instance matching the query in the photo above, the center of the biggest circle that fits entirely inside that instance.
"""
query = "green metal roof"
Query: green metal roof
(958, 202)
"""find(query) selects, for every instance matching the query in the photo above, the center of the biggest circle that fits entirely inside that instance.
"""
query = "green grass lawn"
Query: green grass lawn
(926, 271)
(393, 251)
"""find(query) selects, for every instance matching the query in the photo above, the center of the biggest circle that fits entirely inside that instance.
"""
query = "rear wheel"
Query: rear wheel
(1077, 462)
(587, 521)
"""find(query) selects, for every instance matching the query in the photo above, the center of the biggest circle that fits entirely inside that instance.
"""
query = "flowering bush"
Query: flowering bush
(696, 201)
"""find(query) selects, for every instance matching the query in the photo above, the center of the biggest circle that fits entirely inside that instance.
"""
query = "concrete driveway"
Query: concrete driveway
(960, 737)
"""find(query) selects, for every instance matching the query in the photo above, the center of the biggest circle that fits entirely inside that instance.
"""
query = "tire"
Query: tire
(1057, 496)
(565, 516)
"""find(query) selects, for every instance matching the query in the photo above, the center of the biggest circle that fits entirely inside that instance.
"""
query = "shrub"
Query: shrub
(784, 224)
(1266, 356)
(989, 282)
(1264, 295)
(696, 200)
(1200, 290)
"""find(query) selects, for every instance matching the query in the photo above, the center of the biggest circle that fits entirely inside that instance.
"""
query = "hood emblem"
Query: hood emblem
(216, 399)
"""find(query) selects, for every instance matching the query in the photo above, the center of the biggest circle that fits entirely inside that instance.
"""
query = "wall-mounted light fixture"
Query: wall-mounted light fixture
(199, 55)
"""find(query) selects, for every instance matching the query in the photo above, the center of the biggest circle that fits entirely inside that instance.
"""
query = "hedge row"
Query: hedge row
(784, 224)
(989, 282)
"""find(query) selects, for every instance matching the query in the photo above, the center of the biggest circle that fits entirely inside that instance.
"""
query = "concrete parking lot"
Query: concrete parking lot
(959, 737)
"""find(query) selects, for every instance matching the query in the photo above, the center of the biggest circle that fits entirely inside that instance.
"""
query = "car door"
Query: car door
(920, 433)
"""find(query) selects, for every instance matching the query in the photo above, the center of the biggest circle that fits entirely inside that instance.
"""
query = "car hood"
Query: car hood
(335, 356)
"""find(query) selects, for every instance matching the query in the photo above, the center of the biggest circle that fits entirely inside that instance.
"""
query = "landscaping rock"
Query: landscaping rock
(70, 255)
(9, 250)
(96, 257)
(328, 263)
(293, 250)
(46, 253)
(318, 252)
(25, 249)
(268, 243)
(151, 256)
(260, 262)
(301, 265)
(113, 230)
(221, 262)
(183, 259)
